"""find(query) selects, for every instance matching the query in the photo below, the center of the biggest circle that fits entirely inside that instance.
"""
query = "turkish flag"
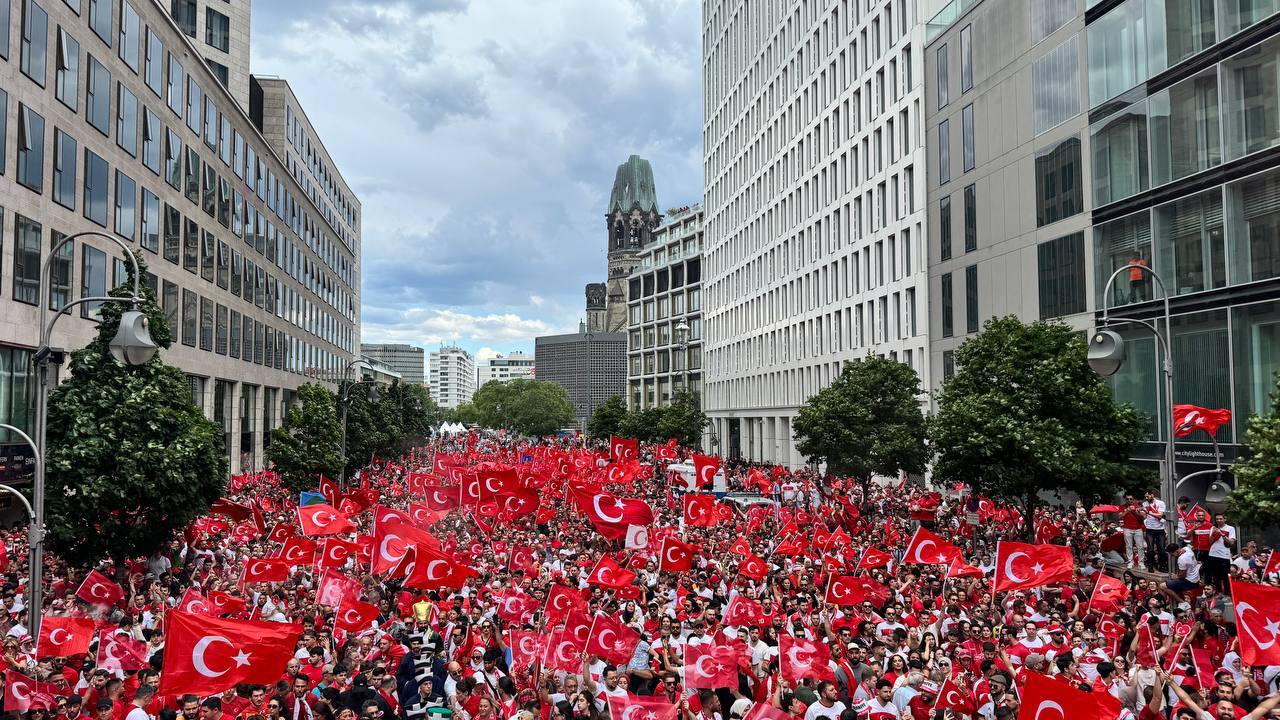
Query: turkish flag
(611, 640)
(740, 546)
(98, 589)
(120, 652)
(1108, 594)
(354, 615)
(526, 647)
(1020, 566)
(391, 539)
(497, 479)
(963, 569)
(423, 516)
(766, 711)
(562, 600)
(64, 636)
(873, 558)
(281, 532)
(440, 498)
(705, 468)
(434, 570)
(1046, 699)
(1257, 609)
(1189, 418)
(561, 652)
(622, 449)
(225, 603)
(742, 610)
(383, 514)
(676, 556)
(334, 552)
(329, 489)
(259, 570)
(710, 667)
(641, 707)
(334, 587)
(298, 550)
(193, 602)
(234, 510)
(844, 590)
(753, 567)
(953, 697)
(204, 655)
(926, 548)
(803, 658)
(322, 520)
(523, 557)
(517, 607)
(18, 689)
(603, 507)
(610, 574)
(699, 510)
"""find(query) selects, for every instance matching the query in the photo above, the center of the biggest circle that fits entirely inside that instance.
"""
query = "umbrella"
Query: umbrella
(1100, 509)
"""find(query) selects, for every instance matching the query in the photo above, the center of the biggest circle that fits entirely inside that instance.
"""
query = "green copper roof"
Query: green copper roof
(633, 185)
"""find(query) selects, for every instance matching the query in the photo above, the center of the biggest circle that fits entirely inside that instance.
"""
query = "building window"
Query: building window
(971, 298)
(173, 159)
(1250, 94)
(177, 79)
(1060, 265)
(966, 134)
(190, 317)
(93, 280)
(1117, 244)
(1055, 86)
(130, 35)
(970, 218)
(1059, 187)
(127, 120)
(207, 245)
(191, 176)
(948, 364)
(100, 19)
(1120, 155)
(60, 271)
(95, 188)
(221, 72)
(944, 91)
(948, 327)
(150, 221)
(4, 133)
(1185, 128)
(26, 260)
(220, 322)
(1119, 56)
(966, 59)
(152, 131)
(1254, 205)
(1049, 15)
(35, 40)
(98, 100)
(154, 66)
(170, 304)
(184, 14)
(4, 53)
(126, 205)
(233, 349)
(190, 246)
(66, 77)
(172, 234)
(944, 152)
(206, 324)
(30, 149)
(217, 30)
(195, 101)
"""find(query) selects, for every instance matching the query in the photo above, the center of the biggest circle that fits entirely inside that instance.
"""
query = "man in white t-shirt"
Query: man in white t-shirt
(1153, 509)
(141, 698)
(880, 706)
(827, 707)
(1186, 574)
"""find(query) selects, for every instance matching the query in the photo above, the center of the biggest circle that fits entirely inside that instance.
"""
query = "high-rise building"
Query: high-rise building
(504, 368)
(219, 30)
(664, 312)
(590, 366)
(1069, 139)
(630, 220)
(407, 360)
(122, 126)
(814, 170)
(452, 376)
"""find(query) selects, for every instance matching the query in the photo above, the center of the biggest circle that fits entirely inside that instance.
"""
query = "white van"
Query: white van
(718, 484)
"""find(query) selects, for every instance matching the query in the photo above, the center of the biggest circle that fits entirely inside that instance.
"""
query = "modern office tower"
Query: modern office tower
(590, 366)
(408, 360)
(452, 376)
(814, 197)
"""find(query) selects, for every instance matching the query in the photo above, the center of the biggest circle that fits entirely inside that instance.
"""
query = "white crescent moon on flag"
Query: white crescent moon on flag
(919, 556)
(1049, 705)
(53, 636)
(431, 570)
(698, 668)
(604, 574)
(708, 474)
(839, 590)
(382, 549)
(197, 655)
(608, 632)
(560, 654)
(347, 616)
(255, 567)
(315, 519)
(17, 692)
(1241, 609)
(595, 502)
(526, 646)
(95, 587)
(1008, 567)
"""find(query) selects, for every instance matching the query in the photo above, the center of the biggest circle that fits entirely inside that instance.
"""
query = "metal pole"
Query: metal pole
(36, 533)
(589, 376)
(344, 397)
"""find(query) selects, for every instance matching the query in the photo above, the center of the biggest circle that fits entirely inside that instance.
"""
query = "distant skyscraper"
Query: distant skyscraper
(453, 376)
(407, 360)
(590, 366)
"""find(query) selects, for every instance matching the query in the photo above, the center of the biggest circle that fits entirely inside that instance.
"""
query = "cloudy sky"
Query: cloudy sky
(481, 137)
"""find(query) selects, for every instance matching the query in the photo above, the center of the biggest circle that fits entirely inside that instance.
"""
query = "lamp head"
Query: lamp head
(1106, 352)
(373, 393)
(132, 344)
(1217, 492)
(682, 333)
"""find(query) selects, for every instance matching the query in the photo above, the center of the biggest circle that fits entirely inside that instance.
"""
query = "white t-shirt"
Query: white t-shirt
(816, 710)
(1154, 523)
(887, 711)
(1186, 561)
(1219, 549)
(137, 713)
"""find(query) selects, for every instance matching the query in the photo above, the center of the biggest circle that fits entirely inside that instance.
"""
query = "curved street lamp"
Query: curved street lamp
(132, 345)
(344, 397)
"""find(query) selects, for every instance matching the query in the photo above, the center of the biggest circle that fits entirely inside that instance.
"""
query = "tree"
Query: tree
(867, 422)
(131, 460)
(607, 419)
(683, 420)
(1256, 499)
(525, 407)
(307, 444)
(1024, 414)
(641, 424)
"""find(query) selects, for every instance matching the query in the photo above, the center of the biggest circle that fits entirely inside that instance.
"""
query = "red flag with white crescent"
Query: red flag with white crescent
(204, 655)
(120, 652)
(64, 636)
(98, 589)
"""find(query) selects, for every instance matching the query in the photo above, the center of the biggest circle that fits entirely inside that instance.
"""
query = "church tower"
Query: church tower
(630, 219)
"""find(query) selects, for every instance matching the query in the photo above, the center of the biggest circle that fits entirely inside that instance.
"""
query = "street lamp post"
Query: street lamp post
(682, 342)
(132, 345)
(1107, 355)
(36, 531)
(344, 396)
(589, 377)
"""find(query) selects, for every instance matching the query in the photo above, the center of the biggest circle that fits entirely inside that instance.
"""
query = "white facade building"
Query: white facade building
(814, 168)
(504, 368)
(452, 376)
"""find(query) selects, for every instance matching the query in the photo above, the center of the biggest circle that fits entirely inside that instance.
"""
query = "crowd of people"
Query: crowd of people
(750, 625)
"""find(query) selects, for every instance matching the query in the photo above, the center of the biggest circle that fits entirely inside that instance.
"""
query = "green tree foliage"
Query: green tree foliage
(868, 422)
(130, 458)
(641, 425)
(525, 407)
(1256, 500)
(607, 418)
(683, 420)
(1025, 414)
(306, 445)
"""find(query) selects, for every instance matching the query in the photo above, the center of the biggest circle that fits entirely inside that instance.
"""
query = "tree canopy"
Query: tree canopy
(1256, 498)
(306, 445)
(130, 457)
(608, 418)
(1024, 414)
(867, 422)
(525, 407)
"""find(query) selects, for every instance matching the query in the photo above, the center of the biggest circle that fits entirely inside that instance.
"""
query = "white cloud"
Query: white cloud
(486, 353)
